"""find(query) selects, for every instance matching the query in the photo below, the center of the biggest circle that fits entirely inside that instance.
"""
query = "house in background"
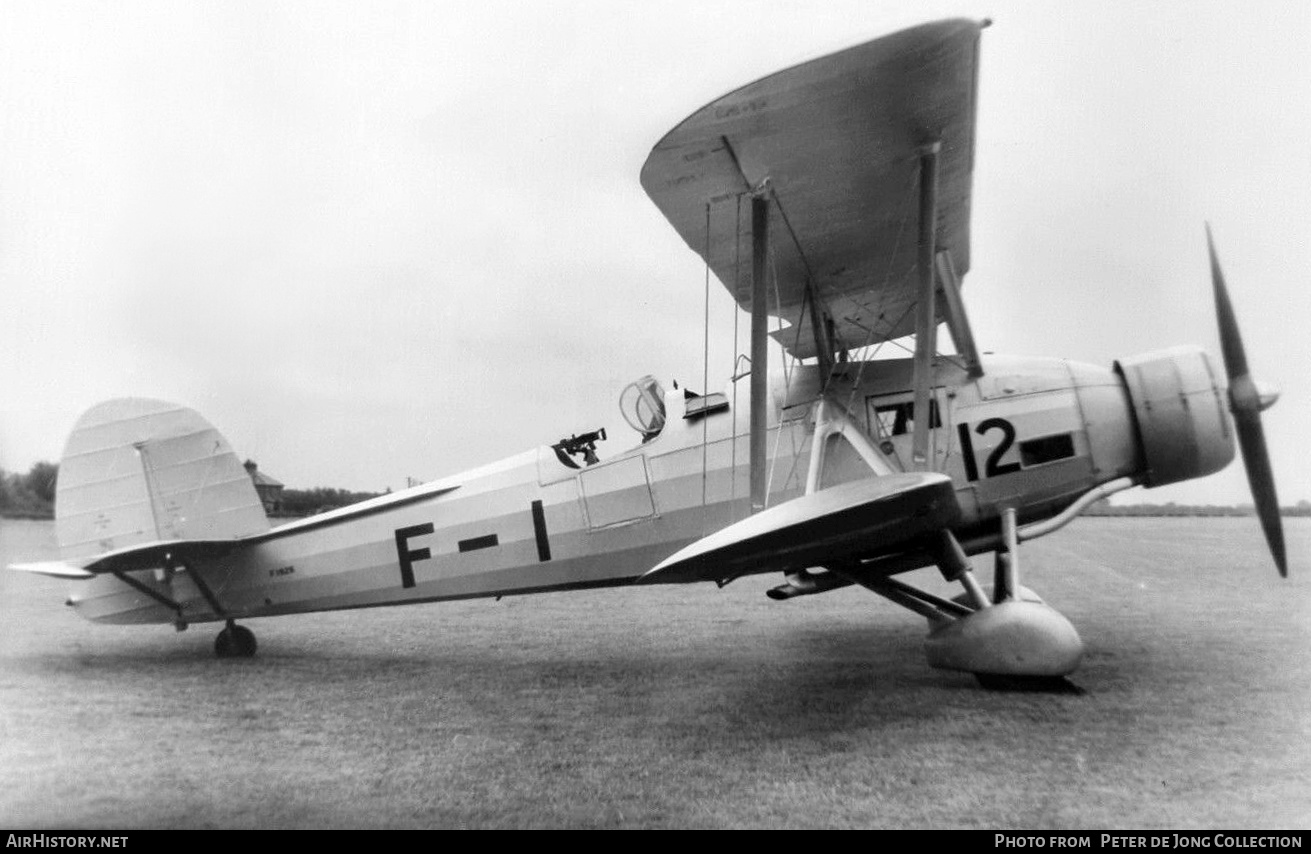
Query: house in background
(270, 490)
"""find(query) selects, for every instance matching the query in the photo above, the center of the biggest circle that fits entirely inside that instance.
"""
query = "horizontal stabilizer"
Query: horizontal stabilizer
(843, 522)
(155, 555)
(132, 558)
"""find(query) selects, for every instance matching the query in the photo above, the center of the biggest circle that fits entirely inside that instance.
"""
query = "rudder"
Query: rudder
(137, 470)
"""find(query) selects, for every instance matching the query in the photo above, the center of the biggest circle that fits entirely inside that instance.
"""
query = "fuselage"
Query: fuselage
(1031, 434)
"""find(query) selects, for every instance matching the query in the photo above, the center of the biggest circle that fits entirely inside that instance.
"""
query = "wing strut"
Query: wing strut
(831, 420)
(759, 351)
(954, 310)
(821, 326)
(925, 312)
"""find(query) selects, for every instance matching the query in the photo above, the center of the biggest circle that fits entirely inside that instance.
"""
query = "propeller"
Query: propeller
(1247, 399)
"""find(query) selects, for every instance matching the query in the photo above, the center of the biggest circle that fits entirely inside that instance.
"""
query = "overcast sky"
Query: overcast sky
(378, 240)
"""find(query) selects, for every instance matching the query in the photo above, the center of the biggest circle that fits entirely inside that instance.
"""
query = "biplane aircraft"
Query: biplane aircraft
(832, 199)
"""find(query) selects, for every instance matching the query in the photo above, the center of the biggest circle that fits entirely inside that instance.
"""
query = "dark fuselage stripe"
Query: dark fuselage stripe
(476, 543)
(539, 529)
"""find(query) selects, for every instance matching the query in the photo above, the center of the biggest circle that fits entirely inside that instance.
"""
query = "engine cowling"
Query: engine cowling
(1181, 414)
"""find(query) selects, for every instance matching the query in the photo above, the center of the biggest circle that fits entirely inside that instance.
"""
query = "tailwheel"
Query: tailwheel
(235, 642)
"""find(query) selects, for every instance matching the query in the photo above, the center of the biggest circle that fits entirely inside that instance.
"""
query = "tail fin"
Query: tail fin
(137, 471)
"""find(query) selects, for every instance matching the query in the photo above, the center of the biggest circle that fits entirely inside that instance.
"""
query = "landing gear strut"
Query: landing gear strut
(235, 642)
(1009, 639)
(1012, 639)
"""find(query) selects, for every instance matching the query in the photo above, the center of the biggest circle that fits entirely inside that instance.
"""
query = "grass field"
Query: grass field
(681, 707)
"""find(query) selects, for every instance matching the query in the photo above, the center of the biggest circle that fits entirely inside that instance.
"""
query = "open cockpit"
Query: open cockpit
(646, 407)
(642, 403)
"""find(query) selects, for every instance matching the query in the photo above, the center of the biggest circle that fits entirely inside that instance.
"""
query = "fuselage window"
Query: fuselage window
(898, 419)
(1035, 452)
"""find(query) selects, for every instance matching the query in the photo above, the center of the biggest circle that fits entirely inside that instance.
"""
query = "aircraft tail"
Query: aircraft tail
(138, 471)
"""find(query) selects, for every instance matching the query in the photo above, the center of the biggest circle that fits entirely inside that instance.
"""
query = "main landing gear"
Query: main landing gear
(1009, 639)
(235, 642)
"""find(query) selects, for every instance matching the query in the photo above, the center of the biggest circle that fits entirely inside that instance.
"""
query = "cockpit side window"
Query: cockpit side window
(897, 418)
(642, 404)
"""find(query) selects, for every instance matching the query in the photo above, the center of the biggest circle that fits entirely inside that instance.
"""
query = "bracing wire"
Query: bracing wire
(789, 370)
(705, 370)
(737, 312)
(911, 185)
(778, 310)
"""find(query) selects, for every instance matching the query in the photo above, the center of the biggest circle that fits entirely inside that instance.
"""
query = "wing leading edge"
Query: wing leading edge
(838, 139)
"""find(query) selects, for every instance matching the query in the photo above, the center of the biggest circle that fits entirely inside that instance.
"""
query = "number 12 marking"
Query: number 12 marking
(992, 467)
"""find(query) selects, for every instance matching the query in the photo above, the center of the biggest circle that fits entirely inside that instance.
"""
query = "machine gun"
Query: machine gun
(585, 444)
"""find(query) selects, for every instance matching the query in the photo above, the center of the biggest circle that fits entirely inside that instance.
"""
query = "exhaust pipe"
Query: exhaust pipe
(806, 583)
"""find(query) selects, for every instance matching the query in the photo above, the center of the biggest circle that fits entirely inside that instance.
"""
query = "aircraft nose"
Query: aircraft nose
(1267, 395)
(1249, 395)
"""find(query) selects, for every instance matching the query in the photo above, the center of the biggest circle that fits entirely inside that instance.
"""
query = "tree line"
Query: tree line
(307, 502)
(32, 495)
(1106, 508)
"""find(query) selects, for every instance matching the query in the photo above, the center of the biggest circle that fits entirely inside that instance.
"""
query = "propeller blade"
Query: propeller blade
(1261, 480)
(1231, 341)
(1245, 404)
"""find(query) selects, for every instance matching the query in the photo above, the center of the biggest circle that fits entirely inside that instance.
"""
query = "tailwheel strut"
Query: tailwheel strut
(235, 642)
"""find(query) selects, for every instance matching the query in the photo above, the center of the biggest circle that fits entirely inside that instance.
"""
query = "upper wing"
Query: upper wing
(839, 140)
